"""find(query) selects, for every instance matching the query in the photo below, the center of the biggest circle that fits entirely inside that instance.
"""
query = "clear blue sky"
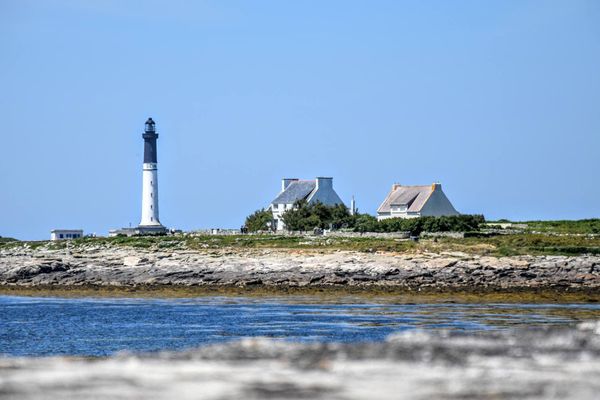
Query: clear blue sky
(497, 100)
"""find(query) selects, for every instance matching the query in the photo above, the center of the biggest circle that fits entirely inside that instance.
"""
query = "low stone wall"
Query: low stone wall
(348, 234)
(383, 235)
(453, 235)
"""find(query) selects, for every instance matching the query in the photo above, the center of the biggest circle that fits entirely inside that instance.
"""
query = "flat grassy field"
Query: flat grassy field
(499, 245)
(574, 227)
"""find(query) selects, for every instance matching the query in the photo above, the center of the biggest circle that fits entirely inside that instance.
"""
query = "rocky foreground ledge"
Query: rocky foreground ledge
(551, 363)
(118, 267)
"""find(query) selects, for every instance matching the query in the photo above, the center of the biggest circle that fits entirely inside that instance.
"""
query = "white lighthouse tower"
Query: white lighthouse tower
(150, 223)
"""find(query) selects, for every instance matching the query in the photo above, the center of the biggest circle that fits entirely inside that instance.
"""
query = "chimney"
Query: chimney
(352, 206)
(323, 182)
(395, 186)
(436, 186)
(285, 182)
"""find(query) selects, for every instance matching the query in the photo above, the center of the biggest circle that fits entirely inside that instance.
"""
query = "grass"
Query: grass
(500, 245)
(584, 226)
(575, 227)
(538, 238)
(521, 244)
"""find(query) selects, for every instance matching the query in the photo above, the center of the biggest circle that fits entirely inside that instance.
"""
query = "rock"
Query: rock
(284, 268)
(132, 261)
(533, 364)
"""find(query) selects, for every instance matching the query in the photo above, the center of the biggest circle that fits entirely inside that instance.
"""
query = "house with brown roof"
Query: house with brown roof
(415, 201)
(292, 190)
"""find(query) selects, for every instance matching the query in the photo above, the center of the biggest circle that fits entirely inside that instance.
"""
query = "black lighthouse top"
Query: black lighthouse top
(149, 125)
(150, 137)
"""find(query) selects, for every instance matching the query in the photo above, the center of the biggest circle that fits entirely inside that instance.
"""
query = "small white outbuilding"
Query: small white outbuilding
(64, 234)
(415, 201)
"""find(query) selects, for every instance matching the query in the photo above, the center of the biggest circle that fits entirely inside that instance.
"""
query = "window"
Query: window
(60, 236)
(151, 206)
(151, 219)
(275, 206)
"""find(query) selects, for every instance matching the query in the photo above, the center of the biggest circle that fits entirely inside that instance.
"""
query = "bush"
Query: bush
(305, 217)
(365, 223)
(260, 220)
(455, 223)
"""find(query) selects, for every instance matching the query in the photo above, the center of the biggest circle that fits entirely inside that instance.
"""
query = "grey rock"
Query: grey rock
(127, 267)
(531, 364)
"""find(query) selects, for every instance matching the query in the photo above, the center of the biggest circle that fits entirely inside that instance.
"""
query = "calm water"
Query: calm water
(50, 326)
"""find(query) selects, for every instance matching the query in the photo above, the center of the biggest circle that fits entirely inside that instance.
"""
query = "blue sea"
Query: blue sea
(102, 326)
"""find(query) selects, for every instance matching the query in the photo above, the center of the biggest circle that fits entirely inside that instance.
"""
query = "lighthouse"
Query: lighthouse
(150, 222)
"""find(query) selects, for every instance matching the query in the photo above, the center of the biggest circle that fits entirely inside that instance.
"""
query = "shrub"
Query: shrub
(305, 217)
(260, 220)
(455, 223)
(365, 223)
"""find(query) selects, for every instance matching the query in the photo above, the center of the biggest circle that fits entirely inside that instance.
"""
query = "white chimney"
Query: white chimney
(323, 182)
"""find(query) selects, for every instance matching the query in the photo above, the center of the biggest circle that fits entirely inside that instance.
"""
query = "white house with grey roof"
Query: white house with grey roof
(415, 201)
(312, 191)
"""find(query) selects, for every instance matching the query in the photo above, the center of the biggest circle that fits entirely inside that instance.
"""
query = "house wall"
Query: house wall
(381, 216)
(65, 234)
(278, 210)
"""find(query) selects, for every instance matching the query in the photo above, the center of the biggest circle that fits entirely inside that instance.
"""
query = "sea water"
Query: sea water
(102, 326)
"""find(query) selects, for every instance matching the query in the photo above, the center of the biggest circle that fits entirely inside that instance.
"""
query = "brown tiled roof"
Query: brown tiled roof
(414, 197)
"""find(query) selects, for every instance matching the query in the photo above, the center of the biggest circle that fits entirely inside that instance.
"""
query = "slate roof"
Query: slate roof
(296, 190)
(414, 197)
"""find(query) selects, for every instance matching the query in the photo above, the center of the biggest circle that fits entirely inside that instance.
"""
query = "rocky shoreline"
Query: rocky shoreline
(122, 267)
(542, 363)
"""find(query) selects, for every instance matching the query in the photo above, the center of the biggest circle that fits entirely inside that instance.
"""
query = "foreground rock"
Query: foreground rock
(557, 363)
(126, 267)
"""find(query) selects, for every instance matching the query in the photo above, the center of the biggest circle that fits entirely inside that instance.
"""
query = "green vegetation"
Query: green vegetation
(260, 220)
(583, 226)
(306, 217)
(499, 245)
(570, 227)
(520, 244)
(7, 240)
(537, 238)
(458, 223)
